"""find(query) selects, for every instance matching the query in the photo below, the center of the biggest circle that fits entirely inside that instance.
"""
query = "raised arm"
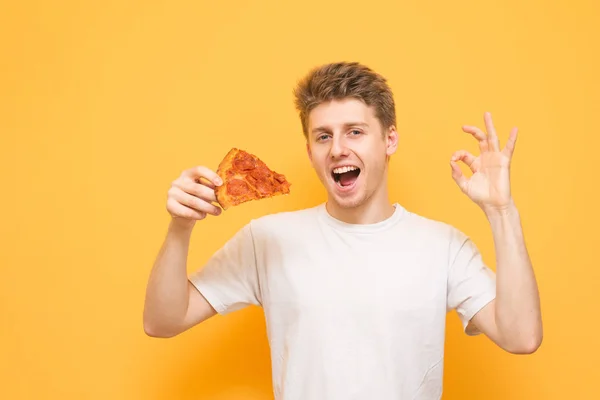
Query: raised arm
(513, 320)
(172, 303)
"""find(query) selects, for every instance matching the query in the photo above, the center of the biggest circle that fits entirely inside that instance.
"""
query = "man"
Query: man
(355, 290)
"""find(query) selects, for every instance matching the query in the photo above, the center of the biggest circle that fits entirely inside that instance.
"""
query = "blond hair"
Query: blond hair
(341, 80)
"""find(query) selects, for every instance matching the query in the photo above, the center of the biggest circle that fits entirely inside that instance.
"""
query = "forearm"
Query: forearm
(517, 312)
(167, 296)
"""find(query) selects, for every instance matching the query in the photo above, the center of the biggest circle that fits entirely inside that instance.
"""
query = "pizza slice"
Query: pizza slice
(245, 178)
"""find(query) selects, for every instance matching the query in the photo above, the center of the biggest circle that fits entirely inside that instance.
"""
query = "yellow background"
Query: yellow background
(103, 104)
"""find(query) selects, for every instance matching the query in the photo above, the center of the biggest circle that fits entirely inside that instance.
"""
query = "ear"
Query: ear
(392, 140)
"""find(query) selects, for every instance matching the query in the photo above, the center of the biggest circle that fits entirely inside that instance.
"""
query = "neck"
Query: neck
(373, 210)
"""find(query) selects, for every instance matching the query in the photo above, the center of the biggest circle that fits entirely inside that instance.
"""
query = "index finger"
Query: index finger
(479, 135)
(204, 172)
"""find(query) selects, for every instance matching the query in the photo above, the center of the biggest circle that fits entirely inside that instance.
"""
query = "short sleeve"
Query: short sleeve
(229, 279)
(471, 283)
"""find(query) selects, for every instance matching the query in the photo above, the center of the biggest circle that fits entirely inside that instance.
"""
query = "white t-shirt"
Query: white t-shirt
(352, 311)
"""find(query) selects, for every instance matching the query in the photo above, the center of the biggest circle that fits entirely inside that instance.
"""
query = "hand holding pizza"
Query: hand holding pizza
(191, 195)
(240, 177)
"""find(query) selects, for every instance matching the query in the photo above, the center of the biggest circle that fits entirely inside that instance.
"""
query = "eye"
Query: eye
(322, 137)
(355, 132)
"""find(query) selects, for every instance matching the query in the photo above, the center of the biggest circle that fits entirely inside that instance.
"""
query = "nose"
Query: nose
(338, 148)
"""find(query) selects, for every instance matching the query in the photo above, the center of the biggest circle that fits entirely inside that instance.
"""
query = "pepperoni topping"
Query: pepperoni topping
(264, 187)
(244, 162)
(251, 179)
(237, 187)
(280, 178)
(260, 173)
(248, 178)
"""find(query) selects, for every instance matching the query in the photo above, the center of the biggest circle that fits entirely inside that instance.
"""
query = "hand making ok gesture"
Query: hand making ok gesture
(489, 186)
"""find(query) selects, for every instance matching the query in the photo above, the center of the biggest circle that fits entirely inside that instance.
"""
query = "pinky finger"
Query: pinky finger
(182, 211)
(509, 148)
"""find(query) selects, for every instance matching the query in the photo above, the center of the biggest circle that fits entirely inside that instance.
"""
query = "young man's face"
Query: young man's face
(348, 149)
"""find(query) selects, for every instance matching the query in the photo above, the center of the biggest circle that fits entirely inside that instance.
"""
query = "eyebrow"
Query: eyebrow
(346, 125)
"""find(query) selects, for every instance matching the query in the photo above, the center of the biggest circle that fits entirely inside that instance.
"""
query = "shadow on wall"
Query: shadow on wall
(223, 358)
(468, 375)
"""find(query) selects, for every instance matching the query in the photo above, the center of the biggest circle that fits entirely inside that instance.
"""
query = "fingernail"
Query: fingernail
(218, 181)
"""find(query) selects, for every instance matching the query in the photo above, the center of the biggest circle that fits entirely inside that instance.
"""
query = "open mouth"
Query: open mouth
(345, 176)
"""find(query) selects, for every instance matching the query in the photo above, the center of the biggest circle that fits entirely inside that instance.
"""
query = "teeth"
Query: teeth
(341, 170)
